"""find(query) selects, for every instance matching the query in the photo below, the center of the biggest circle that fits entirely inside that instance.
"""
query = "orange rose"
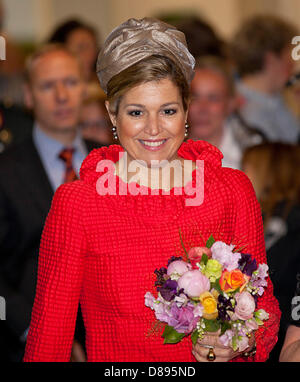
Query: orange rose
(230, 281)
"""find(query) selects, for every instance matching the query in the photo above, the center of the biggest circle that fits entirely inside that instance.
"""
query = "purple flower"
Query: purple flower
(149, 300)
(246, 264)
(168, 290)
(251, 324)
(162, 310)
(198, 310)
(242, 342)
(262, 271)
(258, 278)
(226, 338)
(224, 305)
(161, 275)
(174, 258)
(182, 319)
(223, 253)
(181, 299)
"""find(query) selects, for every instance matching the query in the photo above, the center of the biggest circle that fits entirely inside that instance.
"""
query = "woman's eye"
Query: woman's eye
(135, 113)
(170, 111)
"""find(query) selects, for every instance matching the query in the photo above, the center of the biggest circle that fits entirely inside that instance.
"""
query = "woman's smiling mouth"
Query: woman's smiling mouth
(153, 145)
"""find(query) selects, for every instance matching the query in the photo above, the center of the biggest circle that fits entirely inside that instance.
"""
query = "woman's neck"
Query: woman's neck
(166, 175)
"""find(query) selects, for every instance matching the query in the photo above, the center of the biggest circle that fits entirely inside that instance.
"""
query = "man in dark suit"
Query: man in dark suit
(15, 125)
(29, 175)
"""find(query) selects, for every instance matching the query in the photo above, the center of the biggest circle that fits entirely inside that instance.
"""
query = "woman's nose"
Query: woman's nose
(152, 126)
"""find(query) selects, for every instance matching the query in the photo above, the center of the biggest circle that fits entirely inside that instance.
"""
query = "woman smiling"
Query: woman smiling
(101, 249)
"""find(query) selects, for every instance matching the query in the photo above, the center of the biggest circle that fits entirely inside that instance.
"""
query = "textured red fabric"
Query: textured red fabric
(103, 250)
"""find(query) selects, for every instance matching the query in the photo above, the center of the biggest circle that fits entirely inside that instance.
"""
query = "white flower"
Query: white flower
(262, 314)
(149, 300)
(198, 311)
(181, 300)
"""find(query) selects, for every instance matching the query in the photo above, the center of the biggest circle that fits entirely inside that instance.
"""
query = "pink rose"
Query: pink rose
(245, 306)
(194, 283)
(195, 255)
(178, 267)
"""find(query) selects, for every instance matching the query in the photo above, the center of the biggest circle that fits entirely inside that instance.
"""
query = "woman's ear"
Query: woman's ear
(112, 116)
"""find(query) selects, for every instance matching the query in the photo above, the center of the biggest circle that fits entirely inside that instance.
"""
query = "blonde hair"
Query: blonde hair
(275, 172)
(153, 68)
(43, 51)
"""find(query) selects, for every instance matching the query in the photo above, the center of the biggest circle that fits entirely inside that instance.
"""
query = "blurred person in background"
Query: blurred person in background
(11, 69)
(290, 351)
(29, 175)
(15, 123)
(292, 91)
(201, 37)
(273, 169)
(261, 52)
(213, 114)
(81, 39)
(94, 120)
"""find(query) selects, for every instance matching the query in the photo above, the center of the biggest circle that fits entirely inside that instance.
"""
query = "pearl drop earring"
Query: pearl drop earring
(186, 130)
(114, 131)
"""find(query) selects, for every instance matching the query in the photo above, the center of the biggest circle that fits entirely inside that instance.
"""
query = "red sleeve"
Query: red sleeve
(249, 232)
(60, 273)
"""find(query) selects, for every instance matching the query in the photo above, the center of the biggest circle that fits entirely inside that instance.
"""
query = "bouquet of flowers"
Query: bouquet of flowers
(214, 288)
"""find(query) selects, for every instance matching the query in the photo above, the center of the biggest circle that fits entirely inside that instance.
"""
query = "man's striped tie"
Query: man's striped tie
(66, 155)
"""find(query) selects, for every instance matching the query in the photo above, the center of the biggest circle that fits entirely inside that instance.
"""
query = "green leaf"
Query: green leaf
(234, 343)
(185, 251)
(210, 241)
(216, 285)
(211, 325)
(258, 321)
(204, 259)
(171, 336)
(194, 337)
(225, 326)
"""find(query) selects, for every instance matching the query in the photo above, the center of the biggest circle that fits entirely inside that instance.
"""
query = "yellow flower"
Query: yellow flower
(209, 303)
(215, 294)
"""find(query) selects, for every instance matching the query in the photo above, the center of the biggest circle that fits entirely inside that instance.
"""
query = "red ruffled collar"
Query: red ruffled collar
(191, 150)
(159, 207)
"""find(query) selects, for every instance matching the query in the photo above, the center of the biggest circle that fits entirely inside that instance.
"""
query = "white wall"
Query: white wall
(35, 19)
(19, 21)
(222, 13)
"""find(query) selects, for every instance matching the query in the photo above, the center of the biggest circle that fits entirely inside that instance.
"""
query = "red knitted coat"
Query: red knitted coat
(103, 250)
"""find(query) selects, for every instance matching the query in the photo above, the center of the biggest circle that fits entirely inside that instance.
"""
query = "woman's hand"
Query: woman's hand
(222, 353)
(78, 354)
